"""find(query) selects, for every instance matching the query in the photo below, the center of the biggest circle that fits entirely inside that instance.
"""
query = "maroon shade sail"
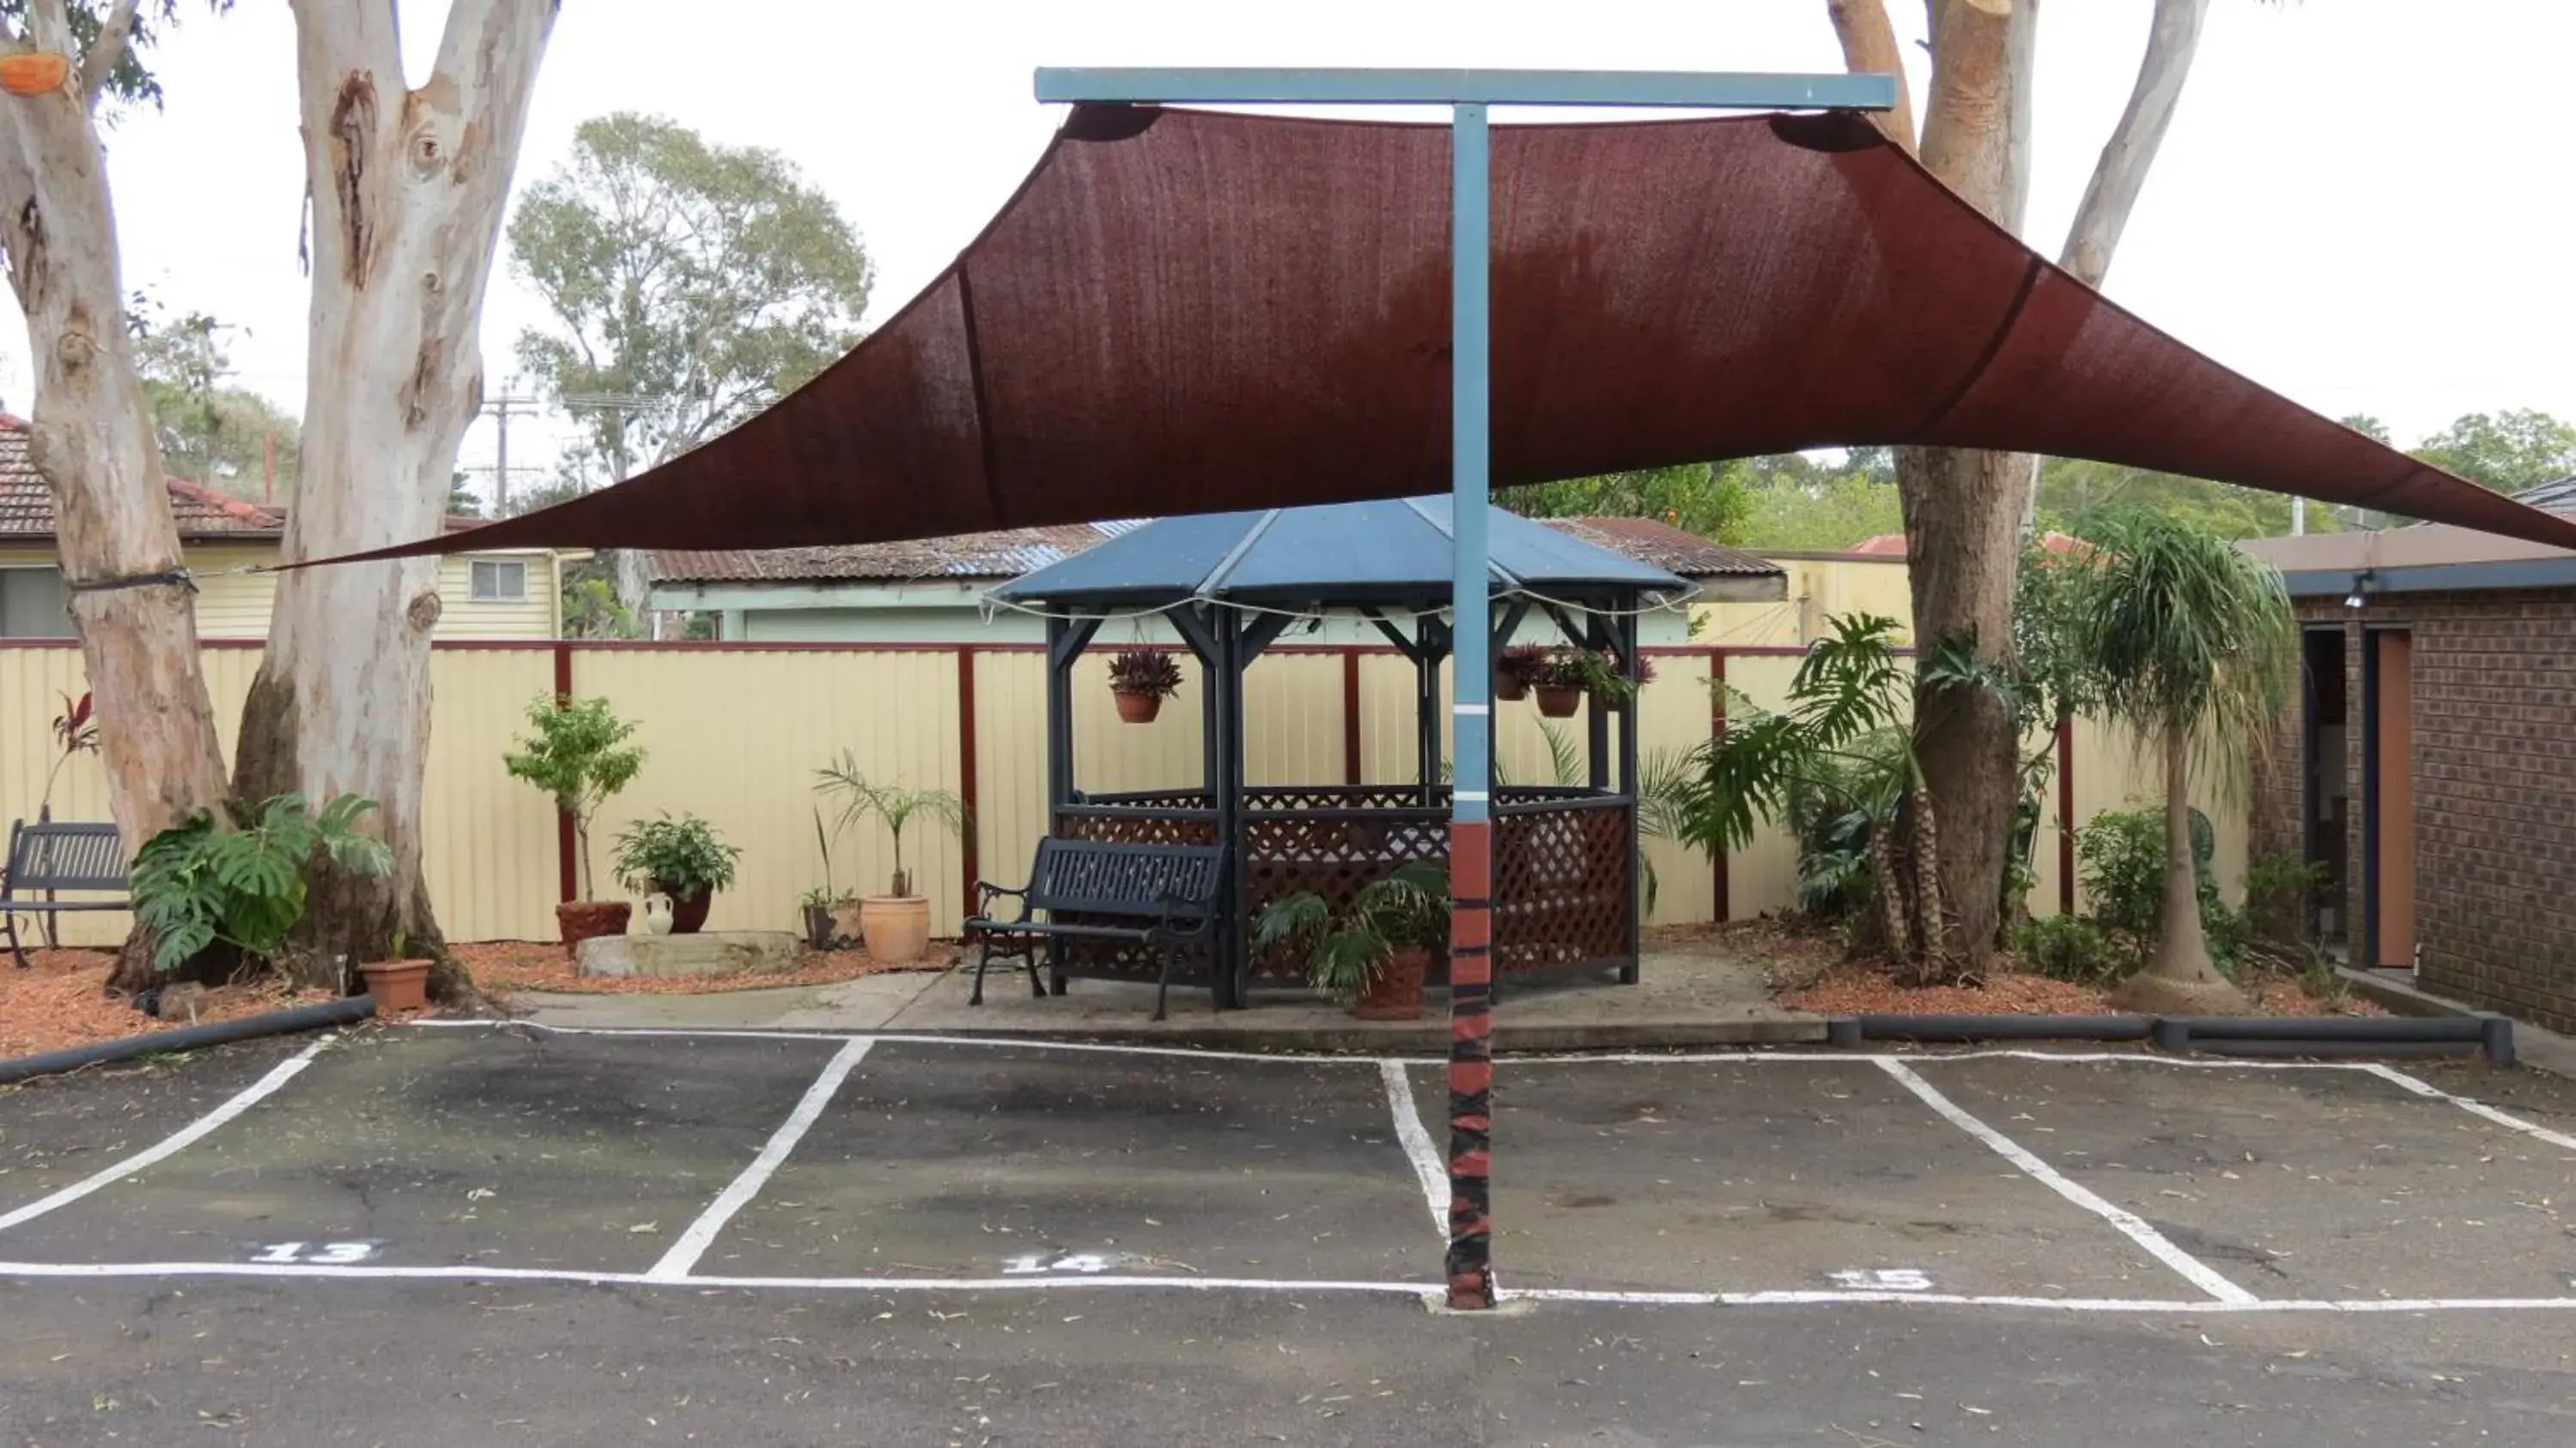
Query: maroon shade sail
(1187, 311)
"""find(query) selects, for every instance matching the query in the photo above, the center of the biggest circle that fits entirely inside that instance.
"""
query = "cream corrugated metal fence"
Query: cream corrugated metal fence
(737, 733)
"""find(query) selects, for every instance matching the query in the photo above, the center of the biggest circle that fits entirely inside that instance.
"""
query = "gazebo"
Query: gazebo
(1232, 585)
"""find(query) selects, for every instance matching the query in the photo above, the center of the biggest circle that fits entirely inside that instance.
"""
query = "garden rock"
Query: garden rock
(715, 952)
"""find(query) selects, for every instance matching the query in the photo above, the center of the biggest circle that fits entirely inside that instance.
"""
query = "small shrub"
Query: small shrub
(576, 752)
(2324, 984)
(681, 856)
(2072, 948)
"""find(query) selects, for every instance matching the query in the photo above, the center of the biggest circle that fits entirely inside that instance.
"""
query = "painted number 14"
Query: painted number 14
(328, 1254)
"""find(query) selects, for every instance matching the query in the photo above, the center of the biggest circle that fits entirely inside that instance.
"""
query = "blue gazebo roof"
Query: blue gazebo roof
(1389, 552)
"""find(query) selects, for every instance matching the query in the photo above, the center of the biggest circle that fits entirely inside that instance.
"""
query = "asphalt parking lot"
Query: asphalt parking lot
(495, 1234)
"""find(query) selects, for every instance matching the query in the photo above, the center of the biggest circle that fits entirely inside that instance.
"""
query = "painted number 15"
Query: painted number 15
(328, 1254)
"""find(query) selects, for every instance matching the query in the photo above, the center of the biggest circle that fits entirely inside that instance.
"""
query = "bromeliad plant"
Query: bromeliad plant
(1150, 673)
(1408, 909)
(196, 886)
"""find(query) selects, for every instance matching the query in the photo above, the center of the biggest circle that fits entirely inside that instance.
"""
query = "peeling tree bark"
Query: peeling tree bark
(407, 191)
(91, 439)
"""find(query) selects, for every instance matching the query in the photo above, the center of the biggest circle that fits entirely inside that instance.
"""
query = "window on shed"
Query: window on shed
(500, 580)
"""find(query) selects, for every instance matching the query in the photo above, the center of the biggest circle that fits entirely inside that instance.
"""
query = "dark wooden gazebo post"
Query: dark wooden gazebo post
(1065, 640)
(1630, 727)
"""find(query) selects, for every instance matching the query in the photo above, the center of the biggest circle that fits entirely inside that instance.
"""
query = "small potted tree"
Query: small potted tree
(682, 858)
(895, 925)
(577, 752)
(1519, 668)
(1142, 679)
(1374, 954)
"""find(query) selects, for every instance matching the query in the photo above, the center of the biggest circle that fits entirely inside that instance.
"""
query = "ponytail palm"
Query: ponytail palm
(2195, 646)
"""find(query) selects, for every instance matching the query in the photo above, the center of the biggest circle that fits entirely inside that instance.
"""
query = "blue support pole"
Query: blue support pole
(1471, 852)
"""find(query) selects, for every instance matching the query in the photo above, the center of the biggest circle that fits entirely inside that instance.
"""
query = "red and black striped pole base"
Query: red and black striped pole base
(1471, 1064)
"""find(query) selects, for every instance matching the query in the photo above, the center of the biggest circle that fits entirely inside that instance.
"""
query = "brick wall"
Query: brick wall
(2494, 787)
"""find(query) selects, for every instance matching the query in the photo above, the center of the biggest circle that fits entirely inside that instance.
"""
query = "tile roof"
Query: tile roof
(982, 557)
(27, 505)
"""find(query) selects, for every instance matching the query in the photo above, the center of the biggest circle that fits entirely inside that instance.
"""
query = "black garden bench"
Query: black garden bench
(1095, 895)
(87, 859)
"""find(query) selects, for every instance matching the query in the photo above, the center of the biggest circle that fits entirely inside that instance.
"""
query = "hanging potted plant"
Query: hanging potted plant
(577, 752)
(681, 858)
(1518, 669)
(1142, 679)
(1373, 954)
(896, 925)
(1558, 677)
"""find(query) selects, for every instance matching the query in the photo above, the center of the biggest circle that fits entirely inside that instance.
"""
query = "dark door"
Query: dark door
(2326, 767)
(2388, 779)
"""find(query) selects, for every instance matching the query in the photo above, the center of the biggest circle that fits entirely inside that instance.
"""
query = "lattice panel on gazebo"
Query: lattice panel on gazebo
(1137, 826)
(1269, 799)
(1333, 853)
(1563, 887)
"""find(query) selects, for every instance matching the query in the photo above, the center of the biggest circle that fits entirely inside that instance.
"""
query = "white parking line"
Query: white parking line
(693, 1243)
(2472, 1106)
(1428, 1169)
(2130, 1225)
(176, 1141)
(111, 1271)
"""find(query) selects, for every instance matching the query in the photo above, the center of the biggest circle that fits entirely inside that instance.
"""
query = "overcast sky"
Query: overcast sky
(2362, 203)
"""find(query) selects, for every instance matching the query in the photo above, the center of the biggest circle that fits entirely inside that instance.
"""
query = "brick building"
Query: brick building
(2429, 764)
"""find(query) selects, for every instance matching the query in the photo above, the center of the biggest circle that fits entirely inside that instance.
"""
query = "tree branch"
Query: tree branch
(1869, 44)
(2173, 39)
(107, 50)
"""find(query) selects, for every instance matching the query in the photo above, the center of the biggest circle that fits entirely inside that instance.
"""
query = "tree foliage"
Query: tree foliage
(130, 81)
(197, 886)
(576, 751)
(2507, 451)
(1710, 499)
(691, 285)
(210, 431)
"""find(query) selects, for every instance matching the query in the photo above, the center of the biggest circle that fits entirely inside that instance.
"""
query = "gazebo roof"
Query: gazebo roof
(1393, 552)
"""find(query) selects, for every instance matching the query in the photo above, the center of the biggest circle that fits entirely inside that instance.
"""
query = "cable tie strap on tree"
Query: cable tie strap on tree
(172, 577)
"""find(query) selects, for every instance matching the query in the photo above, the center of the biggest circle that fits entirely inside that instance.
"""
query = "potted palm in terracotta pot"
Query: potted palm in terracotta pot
(1142, 679)
(895, 925)
(1374, 953)
(682, 858)
(577, 752)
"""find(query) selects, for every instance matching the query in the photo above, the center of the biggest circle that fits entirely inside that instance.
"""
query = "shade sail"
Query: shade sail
(1379, 552)
(1187, 311)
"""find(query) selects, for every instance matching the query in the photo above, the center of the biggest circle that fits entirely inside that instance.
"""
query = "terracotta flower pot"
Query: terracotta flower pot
(1509, 687)
(397, 985)
(1139, 708)
(1395, 992)
(1559, 702)
(688, 912)
(582, 920)
(896, 927)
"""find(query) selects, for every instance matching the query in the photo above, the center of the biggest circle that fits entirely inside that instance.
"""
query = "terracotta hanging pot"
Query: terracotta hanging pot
(33, 72)
(1139, 708)
(1509, 686)
(1559, 701)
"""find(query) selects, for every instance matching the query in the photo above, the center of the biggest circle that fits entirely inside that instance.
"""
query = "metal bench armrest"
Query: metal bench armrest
(986, 893)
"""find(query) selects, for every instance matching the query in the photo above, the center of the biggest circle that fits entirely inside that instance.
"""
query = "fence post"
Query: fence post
(1716, 730)
(966, 776)
(567, 845)
(1351, 716)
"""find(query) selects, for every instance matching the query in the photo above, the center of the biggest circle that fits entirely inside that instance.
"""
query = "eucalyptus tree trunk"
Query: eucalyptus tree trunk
(407, 191)
(91, 440)
(1963, 508)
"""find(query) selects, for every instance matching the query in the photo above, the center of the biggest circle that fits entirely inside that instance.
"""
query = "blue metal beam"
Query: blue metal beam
(1258, 85)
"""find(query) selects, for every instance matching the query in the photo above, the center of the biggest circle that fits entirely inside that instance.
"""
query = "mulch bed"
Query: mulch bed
(503, 966)
(60, 1001)
(1808, 972)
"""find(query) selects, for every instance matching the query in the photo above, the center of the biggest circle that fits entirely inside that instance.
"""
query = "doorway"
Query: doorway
(2388, 797)
(2326, 798)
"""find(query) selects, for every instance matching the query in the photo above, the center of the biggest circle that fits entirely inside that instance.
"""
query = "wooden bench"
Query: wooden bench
(1162, 898)
(86, 858)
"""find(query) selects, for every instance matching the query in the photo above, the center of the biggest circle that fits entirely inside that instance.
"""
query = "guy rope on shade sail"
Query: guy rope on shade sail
(1189, 311)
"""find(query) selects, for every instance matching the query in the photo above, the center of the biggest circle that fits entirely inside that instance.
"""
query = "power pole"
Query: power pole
(501, 409)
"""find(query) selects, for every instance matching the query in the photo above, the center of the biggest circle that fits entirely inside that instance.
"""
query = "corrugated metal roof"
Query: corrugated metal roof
(1013, 552)
(1336, 552)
